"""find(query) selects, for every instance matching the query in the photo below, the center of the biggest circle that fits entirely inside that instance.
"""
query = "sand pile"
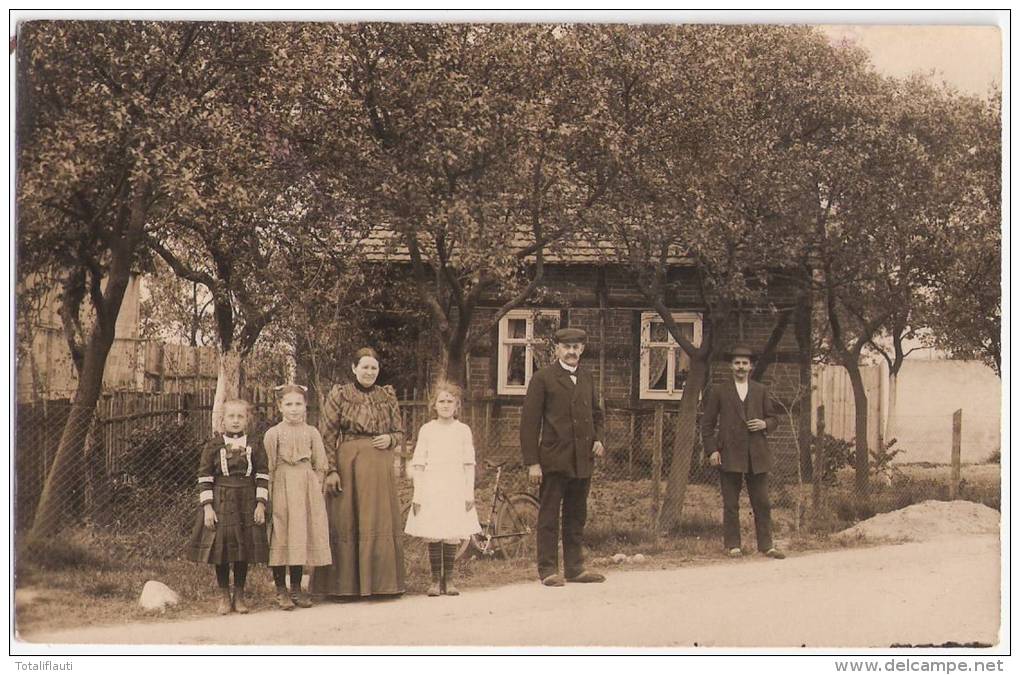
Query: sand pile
(927, 520)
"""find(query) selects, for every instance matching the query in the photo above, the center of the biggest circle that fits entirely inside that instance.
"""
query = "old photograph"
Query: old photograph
(508, 332)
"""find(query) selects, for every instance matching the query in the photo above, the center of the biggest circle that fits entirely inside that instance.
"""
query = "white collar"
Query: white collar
(568, 368)
(240, 441)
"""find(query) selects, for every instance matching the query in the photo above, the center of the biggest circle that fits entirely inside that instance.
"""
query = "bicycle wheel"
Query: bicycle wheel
(516, 525)
(469, 546)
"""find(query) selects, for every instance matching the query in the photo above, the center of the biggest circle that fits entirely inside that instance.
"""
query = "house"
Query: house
(637, 365)
(45, 370)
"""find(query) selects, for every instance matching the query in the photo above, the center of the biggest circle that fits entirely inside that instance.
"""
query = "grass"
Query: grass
(91, 577)
(911, 484)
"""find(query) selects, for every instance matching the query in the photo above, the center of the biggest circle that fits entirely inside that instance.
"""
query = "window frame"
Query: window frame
(646, 344)
(528, 341)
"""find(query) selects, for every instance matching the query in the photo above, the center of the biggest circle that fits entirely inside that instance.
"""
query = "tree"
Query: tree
(963, 311)
(115, 118)
(887, 211)
(703, 152)
(457, 142)
(175, 309)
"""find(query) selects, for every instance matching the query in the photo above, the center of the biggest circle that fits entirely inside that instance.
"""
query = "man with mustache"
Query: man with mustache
(561, 431)
(745, 414)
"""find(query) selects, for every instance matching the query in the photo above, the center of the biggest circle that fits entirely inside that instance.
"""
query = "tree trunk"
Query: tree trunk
(890, 415)
(684, 439)
(228, 385)
(65, 474)
(860, 427)
(453, 366)
(456, 367)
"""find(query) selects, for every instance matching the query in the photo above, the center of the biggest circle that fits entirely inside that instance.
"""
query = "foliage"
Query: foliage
(838, 455)
(378, 309)
(964, 308)
(164, 456)
(175, 310)
(117, 123)
(882, 458)
(457, 140)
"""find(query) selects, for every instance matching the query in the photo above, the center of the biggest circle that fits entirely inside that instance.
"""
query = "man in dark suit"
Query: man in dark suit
(561, 435)
(745, 414)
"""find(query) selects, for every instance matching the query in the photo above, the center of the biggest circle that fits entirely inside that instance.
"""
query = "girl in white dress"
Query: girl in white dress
(443, 470)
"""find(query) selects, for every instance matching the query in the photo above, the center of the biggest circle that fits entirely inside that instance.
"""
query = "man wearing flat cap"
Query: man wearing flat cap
(745, 414)
(561, 435)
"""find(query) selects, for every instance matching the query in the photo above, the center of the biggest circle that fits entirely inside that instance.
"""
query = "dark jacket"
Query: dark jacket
(561, 421)
(733, 441)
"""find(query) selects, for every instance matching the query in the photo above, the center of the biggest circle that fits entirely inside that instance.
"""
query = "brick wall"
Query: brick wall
(575, 292)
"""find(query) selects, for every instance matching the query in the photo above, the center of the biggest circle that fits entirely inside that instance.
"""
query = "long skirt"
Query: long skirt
(298, 534)
(236, 537)
(364, 526)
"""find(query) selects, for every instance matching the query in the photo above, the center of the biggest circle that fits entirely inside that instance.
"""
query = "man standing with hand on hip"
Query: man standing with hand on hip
(745, 415)
(561, 435)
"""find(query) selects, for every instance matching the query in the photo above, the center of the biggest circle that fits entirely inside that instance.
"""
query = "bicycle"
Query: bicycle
(509, 530)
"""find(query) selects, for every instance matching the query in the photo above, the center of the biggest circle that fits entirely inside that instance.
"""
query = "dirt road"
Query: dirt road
(918, 593)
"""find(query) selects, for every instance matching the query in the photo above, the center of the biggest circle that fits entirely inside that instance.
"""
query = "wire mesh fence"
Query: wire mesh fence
(135, 474)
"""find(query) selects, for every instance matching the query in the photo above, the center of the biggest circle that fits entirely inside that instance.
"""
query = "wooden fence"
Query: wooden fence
(831, 390)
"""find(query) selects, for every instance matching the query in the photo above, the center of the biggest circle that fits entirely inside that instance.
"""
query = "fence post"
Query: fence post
(819, 468)
(487, 434)
(657, 464)
(954, 472)
(630, 446)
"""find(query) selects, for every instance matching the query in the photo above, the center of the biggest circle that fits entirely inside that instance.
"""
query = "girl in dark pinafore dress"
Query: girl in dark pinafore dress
(230, 527)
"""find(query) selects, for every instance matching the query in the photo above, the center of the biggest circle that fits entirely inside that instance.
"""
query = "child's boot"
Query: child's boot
(449, 553)
(283, 600)
(436, 563)
(301, 599)
(239, 604)
(224, 605)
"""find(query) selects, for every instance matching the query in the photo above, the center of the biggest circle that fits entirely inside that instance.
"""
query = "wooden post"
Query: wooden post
(657, 464)
(487, 429)
(954, 473)
(819, 467)
(630, 447)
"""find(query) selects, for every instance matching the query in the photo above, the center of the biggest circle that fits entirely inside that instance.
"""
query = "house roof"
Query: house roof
(384, 245)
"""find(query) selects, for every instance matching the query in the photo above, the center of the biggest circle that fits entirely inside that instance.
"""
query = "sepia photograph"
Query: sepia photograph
(548, 332)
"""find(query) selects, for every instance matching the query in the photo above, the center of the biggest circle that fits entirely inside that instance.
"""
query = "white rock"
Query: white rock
(639, 557)
(619, 558)
(156, 595)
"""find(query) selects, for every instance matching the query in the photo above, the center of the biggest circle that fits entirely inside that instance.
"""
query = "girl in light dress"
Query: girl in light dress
(299, 533)
(443, 470)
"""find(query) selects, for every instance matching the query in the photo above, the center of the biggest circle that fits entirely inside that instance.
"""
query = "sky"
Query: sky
(967, 57)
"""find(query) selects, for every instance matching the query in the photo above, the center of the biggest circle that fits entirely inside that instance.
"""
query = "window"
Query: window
(525, 345)
(664, 366)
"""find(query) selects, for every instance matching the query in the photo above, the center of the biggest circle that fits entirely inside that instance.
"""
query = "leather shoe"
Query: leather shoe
(734, 553)
(240, 606)
(283, 600)
(225, 606)
(775, 553)
(552, 580)
(587, 578)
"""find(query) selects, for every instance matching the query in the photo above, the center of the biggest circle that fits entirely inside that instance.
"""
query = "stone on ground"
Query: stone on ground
(157, 596)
